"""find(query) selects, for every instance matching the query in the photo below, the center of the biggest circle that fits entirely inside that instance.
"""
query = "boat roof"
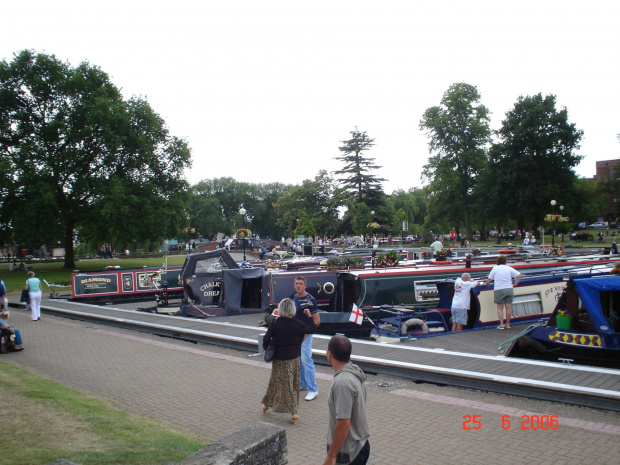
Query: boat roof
(220, 259)
(583, 263)
(589, 290)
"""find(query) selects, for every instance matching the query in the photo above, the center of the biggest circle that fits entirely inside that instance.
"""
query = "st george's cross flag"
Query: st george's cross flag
(357, 315)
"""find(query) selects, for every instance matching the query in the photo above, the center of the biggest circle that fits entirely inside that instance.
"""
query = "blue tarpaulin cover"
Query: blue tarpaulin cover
(589, 290)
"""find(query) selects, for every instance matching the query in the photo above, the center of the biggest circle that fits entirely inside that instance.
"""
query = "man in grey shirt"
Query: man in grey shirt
(348, 433)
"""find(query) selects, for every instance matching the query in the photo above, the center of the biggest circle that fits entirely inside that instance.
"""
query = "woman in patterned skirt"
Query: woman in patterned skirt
(288, 333)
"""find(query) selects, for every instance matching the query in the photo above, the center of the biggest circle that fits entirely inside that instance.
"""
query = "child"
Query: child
(460, 301)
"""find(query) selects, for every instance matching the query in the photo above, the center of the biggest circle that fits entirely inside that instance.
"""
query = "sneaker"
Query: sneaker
(501, 328)
(507, 327)
(311, 395)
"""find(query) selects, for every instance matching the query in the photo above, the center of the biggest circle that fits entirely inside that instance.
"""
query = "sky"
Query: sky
(266, 91)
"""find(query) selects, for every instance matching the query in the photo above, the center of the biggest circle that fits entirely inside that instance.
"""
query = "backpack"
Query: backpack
(2, 289)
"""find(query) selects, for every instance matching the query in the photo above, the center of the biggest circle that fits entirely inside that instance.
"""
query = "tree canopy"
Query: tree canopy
(77, 157)
(458, 130)
(533, 161)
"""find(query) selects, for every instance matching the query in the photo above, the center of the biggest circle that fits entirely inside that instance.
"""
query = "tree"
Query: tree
(214, 207)
(361, 219)
(315, 198)
(533, 161)
(397, 224)
(82, 158)
(414, 203)
(458, 130)
(305, 227)
(357, 184)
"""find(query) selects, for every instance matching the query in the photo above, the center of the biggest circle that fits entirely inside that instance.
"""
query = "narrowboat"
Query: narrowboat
(215, 285)
(416, 287)
(584, 327)
(115, 283)
(534, 298)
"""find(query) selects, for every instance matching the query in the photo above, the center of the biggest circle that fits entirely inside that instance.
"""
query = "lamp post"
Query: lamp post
(553, 202)
(561, 213)
(242, 212)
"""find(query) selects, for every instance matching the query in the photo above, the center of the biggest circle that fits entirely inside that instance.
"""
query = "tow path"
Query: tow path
(467, 360)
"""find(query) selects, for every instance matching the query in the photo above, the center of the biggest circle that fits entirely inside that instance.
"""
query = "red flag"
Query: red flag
(357, 315)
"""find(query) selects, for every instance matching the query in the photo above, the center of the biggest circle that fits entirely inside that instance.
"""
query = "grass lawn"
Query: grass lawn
(43, 421)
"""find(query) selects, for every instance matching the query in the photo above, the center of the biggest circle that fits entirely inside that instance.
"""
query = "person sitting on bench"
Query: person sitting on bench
(11, 334)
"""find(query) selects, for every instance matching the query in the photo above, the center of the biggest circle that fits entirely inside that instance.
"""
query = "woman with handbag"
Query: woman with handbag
(33, 286)
(284, 385)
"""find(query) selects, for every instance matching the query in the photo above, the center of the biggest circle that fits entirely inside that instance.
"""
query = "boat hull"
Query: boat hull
(555, 345)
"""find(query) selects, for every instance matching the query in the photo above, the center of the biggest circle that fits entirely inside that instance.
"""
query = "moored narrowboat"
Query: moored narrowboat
(583, 329)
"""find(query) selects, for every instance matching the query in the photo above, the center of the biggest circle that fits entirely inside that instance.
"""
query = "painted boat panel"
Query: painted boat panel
(123, 283)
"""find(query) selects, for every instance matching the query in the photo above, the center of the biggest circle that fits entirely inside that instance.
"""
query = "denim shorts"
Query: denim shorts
(459, 315)
(503, 296)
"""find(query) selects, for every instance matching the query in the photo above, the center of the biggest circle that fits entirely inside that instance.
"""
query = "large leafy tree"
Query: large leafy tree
(458, 130)
(533, 161)
(357, 184)
(81, 158)
(314, 197)
(214, 207)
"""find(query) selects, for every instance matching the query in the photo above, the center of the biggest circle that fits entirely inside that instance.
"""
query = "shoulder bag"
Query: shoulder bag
(25, 296)
(271, 348)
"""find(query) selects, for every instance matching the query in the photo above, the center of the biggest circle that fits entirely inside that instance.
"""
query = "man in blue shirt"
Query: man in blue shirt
(307, 309)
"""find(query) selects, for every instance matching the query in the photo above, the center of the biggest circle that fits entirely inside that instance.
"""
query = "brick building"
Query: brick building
(609, 170)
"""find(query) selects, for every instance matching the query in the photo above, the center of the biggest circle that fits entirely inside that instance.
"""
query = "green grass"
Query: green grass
(53, 272)
(43, 421)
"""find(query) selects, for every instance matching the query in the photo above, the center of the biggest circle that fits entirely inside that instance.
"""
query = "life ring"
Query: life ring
(413, 322)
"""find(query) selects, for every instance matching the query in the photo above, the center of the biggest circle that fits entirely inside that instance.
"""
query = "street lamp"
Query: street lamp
(553, 202)
(242, 212)
(561, 212)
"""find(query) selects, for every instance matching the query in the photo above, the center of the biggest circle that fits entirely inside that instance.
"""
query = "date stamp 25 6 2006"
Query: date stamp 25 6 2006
(527, 422)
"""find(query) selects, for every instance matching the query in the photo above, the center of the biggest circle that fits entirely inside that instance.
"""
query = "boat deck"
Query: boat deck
(469, 359)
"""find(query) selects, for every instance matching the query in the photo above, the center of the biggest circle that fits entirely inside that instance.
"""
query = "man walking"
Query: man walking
(307, 310)
(348, 433)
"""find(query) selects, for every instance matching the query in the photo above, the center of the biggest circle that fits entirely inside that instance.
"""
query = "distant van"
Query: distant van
(582, 225)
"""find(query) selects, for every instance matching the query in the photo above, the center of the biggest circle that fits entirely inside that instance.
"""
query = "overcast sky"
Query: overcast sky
(265, 91)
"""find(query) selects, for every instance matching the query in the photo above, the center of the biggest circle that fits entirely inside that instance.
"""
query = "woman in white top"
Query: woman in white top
(33, 286)
(503, 293)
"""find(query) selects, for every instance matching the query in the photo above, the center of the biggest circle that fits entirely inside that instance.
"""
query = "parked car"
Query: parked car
(582, 225)
(598, 225)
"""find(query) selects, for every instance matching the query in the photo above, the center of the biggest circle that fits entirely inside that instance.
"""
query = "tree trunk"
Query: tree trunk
(467, 220)
(69, 257)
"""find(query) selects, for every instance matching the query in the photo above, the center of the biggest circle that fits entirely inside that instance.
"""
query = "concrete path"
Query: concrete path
(213, 392)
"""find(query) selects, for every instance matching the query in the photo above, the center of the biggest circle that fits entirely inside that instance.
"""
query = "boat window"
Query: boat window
(209, 265)
(426, 290)
(527, 304)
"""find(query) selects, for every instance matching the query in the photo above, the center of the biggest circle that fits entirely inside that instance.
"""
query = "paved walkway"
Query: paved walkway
(213, 392)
